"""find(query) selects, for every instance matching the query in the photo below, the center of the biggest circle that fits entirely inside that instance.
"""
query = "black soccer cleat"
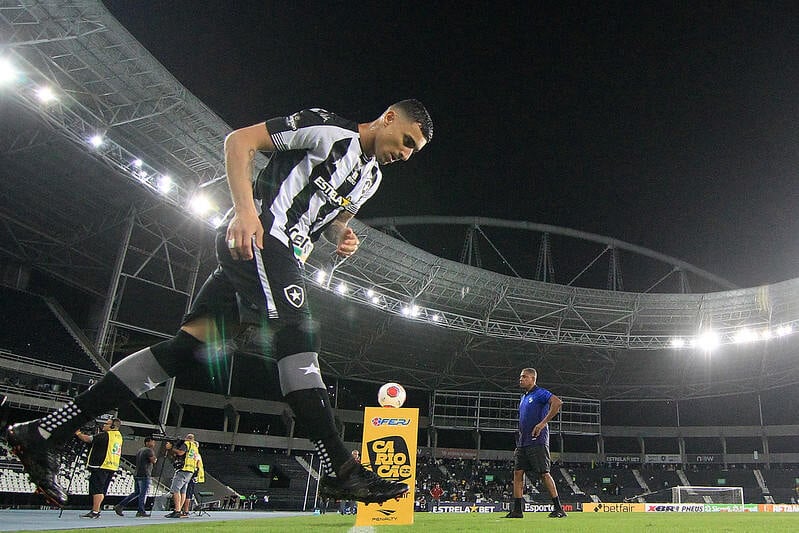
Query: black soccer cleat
(515, 514)
(557, 513)
(354, 482)
(39, 459)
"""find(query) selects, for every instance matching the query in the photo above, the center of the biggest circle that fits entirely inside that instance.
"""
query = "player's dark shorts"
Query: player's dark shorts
(532, 459)
(99, 480)
(270, 286)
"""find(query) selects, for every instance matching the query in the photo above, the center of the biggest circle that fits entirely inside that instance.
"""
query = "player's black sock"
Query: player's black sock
(312, 409)
(126, 380)
(556, 501)
(517, 504)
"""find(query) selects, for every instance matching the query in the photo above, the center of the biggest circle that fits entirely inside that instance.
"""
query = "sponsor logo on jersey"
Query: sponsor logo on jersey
(331, 193)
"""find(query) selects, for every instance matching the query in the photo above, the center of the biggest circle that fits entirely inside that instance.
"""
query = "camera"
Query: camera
(173, 440)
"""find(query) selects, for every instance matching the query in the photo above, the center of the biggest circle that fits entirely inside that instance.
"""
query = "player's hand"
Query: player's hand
(242, 228)
(537, 429)
(348, 243)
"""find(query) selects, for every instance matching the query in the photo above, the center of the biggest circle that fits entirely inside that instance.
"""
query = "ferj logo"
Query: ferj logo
(378, 421)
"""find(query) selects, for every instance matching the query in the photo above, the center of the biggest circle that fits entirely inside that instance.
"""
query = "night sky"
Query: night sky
(674, 128)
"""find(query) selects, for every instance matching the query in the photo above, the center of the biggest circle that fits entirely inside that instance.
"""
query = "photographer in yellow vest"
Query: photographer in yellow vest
(103, 461)
(198, 477)
(185, 456)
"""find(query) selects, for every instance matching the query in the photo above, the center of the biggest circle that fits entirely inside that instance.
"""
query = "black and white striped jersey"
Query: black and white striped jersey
(318, 170)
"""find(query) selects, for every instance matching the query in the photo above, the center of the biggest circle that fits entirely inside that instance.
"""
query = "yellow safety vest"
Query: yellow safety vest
(192, 454)
(200, 470)
(113, 452)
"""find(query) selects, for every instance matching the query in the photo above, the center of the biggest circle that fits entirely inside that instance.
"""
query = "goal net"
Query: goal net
(692, 494)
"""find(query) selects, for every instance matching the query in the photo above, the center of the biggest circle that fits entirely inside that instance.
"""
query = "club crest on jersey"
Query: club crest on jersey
(328, 190)
(295, 295)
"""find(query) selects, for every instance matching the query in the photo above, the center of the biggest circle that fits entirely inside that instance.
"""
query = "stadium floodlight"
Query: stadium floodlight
(376, 300)
(677, 342)
(137, 163)
(199, 204)
(321, 276)
(96, 141)
(784, 330)
(217, 220)
(342, 288)
(370, 293)
(744, 335)
(765, 334)
(8, 74)
(45, 94)
(707, 341)
(165, 184)
(436, 317)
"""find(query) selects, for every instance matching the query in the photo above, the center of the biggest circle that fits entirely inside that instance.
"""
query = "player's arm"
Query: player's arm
(240, 149)
(340, 234)
(554, 408)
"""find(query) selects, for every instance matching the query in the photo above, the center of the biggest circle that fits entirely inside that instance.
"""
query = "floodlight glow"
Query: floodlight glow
(141, 174)
(436, 317)
(164, 184)
(342, 288)
(765, 334)
(415, 310)
(406, 311)
(200, 204)
(744, 335)
(784, 330)
(708, 341)
(137, 163)
(8, 73)
(45, 95)
(96, 141)
(677, 343)
(375, 300)
(217, 221)
(370, 293)
(321, 276)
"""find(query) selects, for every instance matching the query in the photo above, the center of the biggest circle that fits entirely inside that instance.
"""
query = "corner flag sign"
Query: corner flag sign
(389, 450)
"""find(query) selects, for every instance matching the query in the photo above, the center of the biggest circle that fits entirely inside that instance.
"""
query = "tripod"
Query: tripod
(199, 509)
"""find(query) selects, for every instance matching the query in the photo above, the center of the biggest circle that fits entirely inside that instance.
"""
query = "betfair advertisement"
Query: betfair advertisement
(389, 450)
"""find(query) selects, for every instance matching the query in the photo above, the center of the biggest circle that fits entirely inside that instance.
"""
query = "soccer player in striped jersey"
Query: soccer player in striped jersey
(321, 171)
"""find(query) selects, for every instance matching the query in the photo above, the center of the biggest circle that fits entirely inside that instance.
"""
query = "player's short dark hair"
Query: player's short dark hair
(417, 112)
(148, 439)
(531, 371)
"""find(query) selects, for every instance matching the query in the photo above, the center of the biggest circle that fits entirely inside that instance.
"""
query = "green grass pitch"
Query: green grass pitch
(479, 523)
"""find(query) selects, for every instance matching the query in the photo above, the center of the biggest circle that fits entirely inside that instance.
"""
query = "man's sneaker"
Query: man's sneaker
(515, 514)
(140, 514)
(557, 513)
(354, 482)
(173, 514)
(184, 514)
(90, 514)
(118, 510)
(39, 459)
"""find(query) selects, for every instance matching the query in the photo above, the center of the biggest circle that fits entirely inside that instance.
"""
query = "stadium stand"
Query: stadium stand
(32, 329)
